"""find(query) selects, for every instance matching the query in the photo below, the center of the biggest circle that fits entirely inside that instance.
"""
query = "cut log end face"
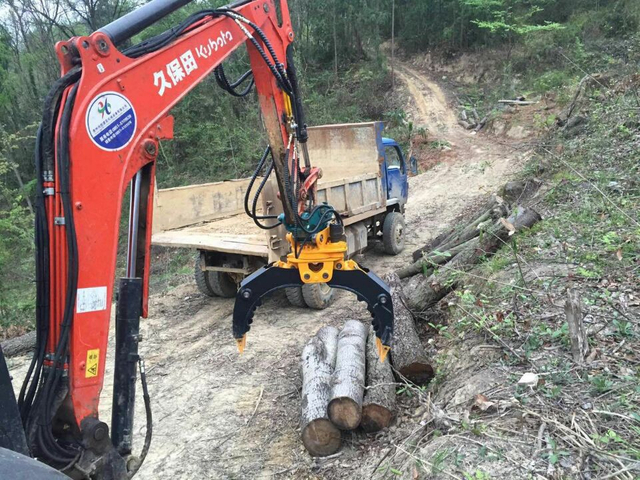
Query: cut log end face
(345, 413)
(418, 372)
(375, 418)
(321, 438)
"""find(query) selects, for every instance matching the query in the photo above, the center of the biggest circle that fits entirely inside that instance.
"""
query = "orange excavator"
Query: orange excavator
(100, 133)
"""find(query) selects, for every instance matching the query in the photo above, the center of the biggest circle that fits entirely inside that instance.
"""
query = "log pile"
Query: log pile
(442, 261)
(471, 121)
(344, 386)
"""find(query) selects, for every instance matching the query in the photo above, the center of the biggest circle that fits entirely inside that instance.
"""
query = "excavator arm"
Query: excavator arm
(99, 137)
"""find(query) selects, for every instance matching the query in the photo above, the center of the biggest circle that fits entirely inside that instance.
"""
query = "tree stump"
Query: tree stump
(577, 333)
(345, 406)
(407, 353)
(379, 402)
(319, 436)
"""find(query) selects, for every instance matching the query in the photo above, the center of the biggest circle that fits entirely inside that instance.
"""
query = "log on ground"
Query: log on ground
(319, 436)
(426, 291)
(19, 345)
(408, 356)
(493, 209)
(345, 406)
(379, 402)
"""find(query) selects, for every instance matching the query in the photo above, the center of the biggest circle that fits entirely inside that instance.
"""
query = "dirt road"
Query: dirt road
(221, 415)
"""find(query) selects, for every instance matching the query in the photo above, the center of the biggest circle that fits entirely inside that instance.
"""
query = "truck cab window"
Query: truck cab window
(394, 160)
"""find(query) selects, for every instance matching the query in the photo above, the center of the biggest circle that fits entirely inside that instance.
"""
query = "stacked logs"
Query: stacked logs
(344, 386)
(445, 259)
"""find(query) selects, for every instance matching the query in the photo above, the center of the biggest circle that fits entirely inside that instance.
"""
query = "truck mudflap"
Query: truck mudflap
(365, 285)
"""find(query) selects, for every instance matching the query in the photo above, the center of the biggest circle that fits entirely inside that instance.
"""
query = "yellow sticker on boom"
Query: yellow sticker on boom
(93, 358)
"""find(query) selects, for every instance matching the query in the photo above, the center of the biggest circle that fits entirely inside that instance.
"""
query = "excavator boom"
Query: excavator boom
(100, 133)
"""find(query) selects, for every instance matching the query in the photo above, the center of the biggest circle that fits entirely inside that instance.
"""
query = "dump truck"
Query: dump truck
(364, 177)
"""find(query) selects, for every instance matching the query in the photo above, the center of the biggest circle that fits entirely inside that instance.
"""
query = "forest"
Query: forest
(342, 50)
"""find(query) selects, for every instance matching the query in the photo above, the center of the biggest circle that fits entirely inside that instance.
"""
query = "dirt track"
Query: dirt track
(221, 415)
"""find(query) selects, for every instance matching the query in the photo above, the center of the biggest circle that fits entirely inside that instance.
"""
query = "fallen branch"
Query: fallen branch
(516, 102)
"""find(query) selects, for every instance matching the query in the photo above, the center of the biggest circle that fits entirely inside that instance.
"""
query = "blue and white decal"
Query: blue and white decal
(111, 121)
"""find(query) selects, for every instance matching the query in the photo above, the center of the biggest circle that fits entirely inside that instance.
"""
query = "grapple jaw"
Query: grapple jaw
(365, 285)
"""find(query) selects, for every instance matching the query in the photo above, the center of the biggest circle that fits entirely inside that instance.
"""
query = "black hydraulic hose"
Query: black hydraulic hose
(44, 159)
(27, 391)
(149, 418)
(46, 396)
(254, 177)
(301, 127)
(253, 215)
(50, 117)
(223, 82)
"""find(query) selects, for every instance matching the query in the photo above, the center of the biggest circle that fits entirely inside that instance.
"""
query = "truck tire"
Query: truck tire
(318, 295)
(202, 279)
(294, 295)
(222, 284)
(393, 233)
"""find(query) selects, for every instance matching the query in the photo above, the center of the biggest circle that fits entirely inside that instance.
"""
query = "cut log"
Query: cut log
(493, 210)
(426, 291)
(19, 345)
(379, 401)
(319, 436)
(426, 263)
(345, 406)
(407, 353)
(329, 337)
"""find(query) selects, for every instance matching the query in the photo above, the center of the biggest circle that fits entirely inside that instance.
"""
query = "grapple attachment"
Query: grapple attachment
(365, 285)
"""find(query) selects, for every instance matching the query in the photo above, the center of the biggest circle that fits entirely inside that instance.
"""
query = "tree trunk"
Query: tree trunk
(380, 395)
(345, 406)
(319, 436)
(407, 354)
(426, 291)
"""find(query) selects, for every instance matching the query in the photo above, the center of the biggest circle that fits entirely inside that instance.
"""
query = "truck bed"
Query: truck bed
(211, 216)
(236, 234)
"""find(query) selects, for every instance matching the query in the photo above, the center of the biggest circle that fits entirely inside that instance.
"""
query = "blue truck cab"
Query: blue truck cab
(395, 180)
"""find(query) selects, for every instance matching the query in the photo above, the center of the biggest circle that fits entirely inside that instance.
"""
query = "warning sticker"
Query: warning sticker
(93, 358)
(91, 299)
(111, 121)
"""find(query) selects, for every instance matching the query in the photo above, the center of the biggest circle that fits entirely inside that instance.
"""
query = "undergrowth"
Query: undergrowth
(589, 242)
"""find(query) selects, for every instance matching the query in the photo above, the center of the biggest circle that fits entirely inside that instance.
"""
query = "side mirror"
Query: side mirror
(413, 165)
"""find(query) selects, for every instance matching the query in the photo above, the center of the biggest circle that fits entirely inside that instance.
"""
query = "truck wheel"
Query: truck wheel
(393, 233)
(202, 279)
(318, 295)
(222, 284)
(294, 295)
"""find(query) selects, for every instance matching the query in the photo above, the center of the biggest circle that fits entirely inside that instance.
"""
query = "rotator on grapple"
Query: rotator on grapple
(99, 136)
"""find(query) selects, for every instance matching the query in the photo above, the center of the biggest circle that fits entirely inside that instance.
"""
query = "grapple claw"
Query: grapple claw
(242, 342)
(365, 285)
